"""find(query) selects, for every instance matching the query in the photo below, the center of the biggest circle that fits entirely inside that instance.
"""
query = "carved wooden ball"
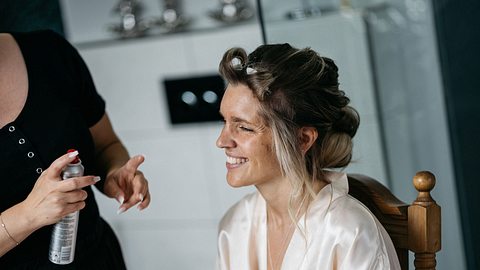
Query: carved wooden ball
(424, 181)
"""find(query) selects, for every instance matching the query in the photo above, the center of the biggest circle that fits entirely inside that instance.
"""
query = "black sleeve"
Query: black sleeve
(86, 97)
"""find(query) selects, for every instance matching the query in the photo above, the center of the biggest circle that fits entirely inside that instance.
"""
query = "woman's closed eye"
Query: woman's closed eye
(244, 128)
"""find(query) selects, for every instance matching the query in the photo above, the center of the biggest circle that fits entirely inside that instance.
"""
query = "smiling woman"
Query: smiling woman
(246, 139)
(287, 125)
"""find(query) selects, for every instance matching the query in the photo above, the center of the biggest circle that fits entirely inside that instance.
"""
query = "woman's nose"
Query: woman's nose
(224, 140)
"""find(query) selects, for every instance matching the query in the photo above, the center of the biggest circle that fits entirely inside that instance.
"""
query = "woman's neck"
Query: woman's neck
(277, 198)
(277, 195)
(281, 222)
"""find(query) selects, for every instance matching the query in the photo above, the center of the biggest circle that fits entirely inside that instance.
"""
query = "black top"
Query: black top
(61, 105)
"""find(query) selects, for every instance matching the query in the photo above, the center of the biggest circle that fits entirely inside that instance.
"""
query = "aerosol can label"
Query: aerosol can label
(64, 233)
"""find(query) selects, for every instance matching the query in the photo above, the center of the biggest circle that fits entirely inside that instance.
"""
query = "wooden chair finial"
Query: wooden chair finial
(424, 223)
(424, 182)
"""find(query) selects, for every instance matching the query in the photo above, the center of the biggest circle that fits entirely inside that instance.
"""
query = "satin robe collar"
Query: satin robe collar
(297, 249)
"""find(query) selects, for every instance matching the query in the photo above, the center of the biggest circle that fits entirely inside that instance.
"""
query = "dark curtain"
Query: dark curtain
(458, 31)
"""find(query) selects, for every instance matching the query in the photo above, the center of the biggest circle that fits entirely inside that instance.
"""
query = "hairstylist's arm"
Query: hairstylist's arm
(123, 181)
(49, 201)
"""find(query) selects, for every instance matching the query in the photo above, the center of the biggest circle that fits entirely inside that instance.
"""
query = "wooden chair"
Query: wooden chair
(414, 227)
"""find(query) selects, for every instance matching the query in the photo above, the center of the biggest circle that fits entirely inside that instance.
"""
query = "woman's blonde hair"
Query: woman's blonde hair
(297, 88)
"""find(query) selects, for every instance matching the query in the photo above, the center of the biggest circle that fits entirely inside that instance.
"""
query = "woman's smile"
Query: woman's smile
(234, 162)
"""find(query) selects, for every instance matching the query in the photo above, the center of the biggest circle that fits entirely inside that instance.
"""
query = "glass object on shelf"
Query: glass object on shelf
(172, 17)
(308, 9)
(231, 11)
(131, 25)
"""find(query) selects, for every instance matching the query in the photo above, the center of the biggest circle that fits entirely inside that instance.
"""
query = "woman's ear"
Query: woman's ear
(308, 136)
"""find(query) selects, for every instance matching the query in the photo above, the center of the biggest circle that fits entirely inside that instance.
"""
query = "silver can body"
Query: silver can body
(64, 233)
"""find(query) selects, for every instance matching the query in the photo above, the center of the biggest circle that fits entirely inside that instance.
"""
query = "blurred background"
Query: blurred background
(409, 66)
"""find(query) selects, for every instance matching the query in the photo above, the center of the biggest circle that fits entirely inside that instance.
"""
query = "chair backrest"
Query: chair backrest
(412, 227)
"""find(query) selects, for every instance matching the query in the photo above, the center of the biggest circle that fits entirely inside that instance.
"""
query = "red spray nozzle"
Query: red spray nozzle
(77, 159)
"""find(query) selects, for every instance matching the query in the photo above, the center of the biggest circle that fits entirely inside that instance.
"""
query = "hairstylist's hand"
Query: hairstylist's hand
(128, 185)
(51, 198)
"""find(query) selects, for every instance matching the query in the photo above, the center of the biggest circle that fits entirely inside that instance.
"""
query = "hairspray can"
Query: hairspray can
(64, 233)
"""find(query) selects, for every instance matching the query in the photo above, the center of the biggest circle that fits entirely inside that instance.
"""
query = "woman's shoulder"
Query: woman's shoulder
(354, 207)
(355, 226)
(351, 217)
(44, 46)
(343, 210)
(244, 209)
(334, 207)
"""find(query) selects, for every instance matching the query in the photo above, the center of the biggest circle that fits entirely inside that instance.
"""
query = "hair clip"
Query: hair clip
(250, 71)
(236, 63)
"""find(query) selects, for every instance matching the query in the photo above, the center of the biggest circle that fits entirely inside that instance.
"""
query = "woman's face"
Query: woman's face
(247, 141)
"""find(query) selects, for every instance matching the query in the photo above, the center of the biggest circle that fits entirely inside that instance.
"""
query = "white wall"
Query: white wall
(185, 169)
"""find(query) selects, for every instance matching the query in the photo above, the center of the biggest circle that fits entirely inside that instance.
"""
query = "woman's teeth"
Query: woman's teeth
(232, 160)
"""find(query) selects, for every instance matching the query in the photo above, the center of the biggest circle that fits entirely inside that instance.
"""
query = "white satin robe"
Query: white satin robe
(341, 233)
